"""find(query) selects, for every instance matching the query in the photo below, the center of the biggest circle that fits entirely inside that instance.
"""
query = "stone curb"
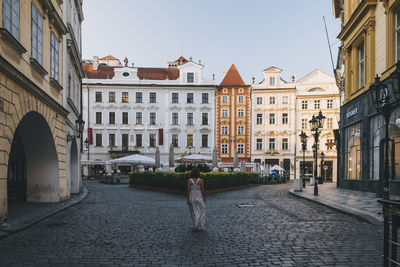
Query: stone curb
(365, 216)
(8, 230)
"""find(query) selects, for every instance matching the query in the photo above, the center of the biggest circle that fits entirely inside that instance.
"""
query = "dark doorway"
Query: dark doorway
(286, 165)
(272, 162)
(327, 174)
(16, 173)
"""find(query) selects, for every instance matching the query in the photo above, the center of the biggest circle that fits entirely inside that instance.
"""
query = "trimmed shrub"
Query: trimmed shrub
(178, 180)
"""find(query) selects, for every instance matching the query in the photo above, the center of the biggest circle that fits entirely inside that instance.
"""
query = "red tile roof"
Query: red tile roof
(232, 77)
(158, 73)
(181, 59)
(103, 72)
(109, 57)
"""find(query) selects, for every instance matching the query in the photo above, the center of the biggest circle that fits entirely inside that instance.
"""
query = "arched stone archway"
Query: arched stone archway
(74, 167)
(33, 149)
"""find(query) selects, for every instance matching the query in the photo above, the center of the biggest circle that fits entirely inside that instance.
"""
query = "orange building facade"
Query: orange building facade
(233, 117)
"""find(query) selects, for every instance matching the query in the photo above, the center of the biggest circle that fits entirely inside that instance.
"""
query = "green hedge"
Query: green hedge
(178, 180)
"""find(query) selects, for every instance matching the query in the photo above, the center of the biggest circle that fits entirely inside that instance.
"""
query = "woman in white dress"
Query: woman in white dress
(196, 199)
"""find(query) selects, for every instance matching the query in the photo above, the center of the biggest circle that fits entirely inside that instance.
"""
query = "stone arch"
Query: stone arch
(34, 138)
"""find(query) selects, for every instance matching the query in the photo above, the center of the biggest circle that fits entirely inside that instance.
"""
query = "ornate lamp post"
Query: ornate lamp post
(316, 123)
(303, 138)
(322, 161)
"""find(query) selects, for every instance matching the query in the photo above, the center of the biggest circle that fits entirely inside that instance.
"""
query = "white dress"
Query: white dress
(197, 206)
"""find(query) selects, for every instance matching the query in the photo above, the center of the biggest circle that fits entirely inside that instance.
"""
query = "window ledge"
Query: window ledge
(14, 43)
(55, 84)
(39, 68)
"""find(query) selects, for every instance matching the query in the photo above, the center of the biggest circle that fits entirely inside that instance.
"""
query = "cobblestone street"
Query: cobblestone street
(120, 226)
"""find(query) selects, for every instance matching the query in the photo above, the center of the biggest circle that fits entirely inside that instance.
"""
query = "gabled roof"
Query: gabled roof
(109, 57)
(103, 72)
(232, 77)
(158, 73)
(316, 76)
(272, 69)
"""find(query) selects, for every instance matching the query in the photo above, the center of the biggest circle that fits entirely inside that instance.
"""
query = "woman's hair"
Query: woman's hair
(195, 172)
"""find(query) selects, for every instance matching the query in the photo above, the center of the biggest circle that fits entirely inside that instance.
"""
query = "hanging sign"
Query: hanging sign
(351, 113)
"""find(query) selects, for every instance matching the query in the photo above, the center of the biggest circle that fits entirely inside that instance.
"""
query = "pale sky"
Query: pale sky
(252, 34)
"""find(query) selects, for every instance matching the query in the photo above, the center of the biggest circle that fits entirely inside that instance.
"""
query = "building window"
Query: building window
(240, 130)
(329, 103)
(361, 65)
(272, 144)
(111, 140)
(224, 99)
(125, 141)
(304, 124)
(111, 97)
(98, 117)
(285, 143)
(204, 98)
(99, 141)
(271, 118)
(54, 56)
(37, 34)
(139, 118)
(240, 113)
(259, 119)
(189, 117)
(204, 140)
(111, 118)
(11, 17)
(99, 97)
(259, 144)
(285, 100)
(285, 118)
(272, 100)
(317, 104)
(329, 123)
(397, 38)
(189, 98)
(152, 118)
(241, 99)
(189, 140)
(204, 118)
(139, 140)
(175, 98)
(224, 148)
(224, 113)
(224, 130)
(153, 97)
(190, 77)
(272, 81)
(175, 140)
(125, 118)
(353, 152)
(139, 97)
(125, 97)
(175, 119)
(304, 104)
(152, 140)
(240, 148)
(259, 100)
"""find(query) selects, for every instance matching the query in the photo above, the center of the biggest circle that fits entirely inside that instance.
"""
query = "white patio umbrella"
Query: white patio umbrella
(157, 158)
(276, 168)
(134, 159)
(171, 156)
(242, 166)
(194, 158)
(214, 158)
(235, 160)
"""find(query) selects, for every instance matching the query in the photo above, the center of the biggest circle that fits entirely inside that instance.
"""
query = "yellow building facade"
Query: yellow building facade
(32, 116)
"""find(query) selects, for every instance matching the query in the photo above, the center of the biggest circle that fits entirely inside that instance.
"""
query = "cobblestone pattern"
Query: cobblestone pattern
(120, 226)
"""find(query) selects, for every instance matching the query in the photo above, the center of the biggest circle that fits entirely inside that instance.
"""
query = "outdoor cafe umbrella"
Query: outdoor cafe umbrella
(257, 168)
(157, 159)
(171, 156)
(235, 159)
(214, 158)
(242, 166)
(133, 159)
(276, 168)
(194, 158)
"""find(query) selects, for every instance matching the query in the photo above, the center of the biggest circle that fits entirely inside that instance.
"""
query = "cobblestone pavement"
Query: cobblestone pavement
(120, 226)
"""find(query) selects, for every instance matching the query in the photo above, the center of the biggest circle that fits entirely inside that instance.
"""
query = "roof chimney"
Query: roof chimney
(95, 62)
(292, 78)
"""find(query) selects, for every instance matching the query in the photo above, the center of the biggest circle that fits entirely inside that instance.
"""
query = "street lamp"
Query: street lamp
(86, 144)
(322, 162)
(79, 124)
(303, 138)
(316, 123)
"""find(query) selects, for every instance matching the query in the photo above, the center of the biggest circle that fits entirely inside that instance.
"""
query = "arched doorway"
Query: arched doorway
(33, 173)
(74, 168)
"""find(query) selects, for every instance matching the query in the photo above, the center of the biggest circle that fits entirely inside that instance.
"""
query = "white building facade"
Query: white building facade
(135, 110)
(273, 121)
(316, 92)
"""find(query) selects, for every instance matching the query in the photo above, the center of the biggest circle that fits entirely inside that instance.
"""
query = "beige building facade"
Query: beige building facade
(32, 117)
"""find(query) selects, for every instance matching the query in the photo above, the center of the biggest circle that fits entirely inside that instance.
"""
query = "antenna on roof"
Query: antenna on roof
(330, 46)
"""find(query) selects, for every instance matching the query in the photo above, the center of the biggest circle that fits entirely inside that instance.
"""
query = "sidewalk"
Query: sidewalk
(360, 204)
(23, 215)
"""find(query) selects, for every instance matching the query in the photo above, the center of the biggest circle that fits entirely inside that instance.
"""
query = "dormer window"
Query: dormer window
(272, 81)
(190, 77)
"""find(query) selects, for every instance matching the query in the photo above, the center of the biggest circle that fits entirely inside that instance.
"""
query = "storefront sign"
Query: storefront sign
(352, 113)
